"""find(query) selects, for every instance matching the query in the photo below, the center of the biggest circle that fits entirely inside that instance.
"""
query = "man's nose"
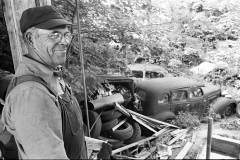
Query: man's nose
(65, 41)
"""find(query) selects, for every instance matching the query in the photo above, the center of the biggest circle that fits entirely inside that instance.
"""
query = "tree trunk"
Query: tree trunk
(12, 12)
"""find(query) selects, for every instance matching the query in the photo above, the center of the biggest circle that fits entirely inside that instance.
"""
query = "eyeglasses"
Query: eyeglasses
(58, 36)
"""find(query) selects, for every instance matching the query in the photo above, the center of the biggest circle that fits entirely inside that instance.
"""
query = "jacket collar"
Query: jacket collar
(33, 67)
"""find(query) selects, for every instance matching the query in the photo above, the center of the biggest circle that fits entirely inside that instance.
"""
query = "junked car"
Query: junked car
(163, 98)
(141, 72)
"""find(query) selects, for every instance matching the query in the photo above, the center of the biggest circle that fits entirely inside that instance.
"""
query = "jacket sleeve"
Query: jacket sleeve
(37, 124)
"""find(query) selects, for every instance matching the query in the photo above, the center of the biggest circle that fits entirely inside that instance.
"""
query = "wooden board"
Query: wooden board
(213, 154)
(184, 150)
(226, 145)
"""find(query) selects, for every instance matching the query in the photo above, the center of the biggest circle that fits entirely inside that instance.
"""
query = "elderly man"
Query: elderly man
(40, 109)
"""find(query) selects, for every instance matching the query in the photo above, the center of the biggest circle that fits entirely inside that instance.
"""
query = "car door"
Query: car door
(179, 100)
(197, 100)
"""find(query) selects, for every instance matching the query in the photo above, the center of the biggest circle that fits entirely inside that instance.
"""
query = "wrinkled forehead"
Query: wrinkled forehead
(61, 29)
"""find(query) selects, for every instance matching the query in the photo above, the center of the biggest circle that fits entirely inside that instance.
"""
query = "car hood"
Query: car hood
(211, 89)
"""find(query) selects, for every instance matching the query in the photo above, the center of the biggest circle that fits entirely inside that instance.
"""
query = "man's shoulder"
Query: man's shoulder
(29, 87)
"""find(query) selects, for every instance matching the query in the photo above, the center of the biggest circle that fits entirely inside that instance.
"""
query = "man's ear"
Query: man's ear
(29, 38)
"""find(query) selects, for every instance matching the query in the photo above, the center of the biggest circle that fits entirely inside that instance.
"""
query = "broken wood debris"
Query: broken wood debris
(155, 135)
(146, 153)
(151, 119)
(184, 150)
(119, 124)
(194, 136)
(160, 130)
(177, 137)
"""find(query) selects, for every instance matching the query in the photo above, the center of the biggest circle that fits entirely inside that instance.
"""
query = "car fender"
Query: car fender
(220, 104)
(164, 116)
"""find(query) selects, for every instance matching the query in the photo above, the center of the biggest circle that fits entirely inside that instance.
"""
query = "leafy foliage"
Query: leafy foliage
(186, 119)
(114, 32)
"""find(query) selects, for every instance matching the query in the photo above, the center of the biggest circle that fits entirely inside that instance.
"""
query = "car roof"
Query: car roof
(166, 84)
(146, 67)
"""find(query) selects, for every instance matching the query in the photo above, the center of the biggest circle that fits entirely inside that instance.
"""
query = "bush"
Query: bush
(186, 119)
(208, 114)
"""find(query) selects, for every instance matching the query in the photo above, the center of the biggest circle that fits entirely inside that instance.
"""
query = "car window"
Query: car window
(195, 92)
(141, 94)
(179, 95)
(151, 74)
(164, 98)
(137, 74)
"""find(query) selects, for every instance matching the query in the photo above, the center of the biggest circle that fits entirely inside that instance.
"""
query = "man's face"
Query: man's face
(53, 45)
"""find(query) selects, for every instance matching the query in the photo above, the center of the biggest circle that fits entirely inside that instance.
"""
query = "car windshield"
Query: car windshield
(179, 95)
(137, 74)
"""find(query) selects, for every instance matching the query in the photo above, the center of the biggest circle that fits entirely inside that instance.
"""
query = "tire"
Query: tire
(94, 118)
(109, 115)
(229, 110)
(109, 125)
(223, 106)
(136, 133)
(125, 131)
(238, 110)
(114, 142)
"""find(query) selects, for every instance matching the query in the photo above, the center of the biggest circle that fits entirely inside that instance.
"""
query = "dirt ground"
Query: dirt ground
(201, 138)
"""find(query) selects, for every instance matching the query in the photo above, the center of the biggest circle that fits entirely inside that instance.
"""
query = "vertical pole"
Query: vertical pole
(82, 65)
(209, 137)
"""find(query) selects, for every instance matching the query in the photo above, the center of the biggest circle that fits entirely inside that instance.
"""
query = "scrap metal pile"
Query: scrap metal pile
(115, 117)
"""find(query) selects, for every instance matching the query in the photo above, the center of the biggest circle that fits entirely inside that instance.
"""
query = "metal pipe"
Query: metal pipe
(209, 137)
(83, 71)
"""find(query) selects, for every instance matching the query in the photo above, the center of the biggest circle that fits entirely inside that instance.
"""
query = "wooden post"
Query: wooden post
(12, 12)
(209, 137)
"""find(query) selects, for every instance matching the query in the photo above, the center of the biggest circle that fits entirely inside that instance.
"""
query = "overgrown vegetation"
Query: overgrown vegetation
(186, 119)
(116, 31)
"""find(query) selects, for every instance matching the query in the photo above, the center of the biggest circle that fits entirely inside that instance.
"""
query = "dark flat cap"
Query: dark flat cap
(44, 17)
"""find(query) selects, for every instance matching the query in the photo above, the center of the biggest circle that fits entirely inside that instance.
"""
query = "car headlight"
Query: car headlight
(224, 93)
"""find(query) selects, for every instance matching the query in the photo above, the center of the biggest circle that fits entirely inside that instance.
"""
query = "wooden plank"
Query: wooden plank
(226, 145)
(94, 144)
(122, 109)
(175, 146)
(12, 12)
(119, 124)
(161, 132)
(220, 156)
(183, 136)
(143, 124)
(184, 151)
(194, 136)
(177, 137)
(125, 112)
(213, 155)
(151, 119)
(174, 133)
(145, 153)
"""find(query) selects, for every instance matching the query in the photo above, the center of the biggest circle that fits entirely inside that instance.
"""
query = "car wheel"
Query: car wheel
(238, 110)
(124, 132)
(136, 133)
(229, 110)
(109, 125)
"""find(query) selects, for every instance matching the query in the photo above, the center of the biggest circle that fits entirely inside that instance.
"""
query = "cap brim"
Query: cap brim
(53, 23)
